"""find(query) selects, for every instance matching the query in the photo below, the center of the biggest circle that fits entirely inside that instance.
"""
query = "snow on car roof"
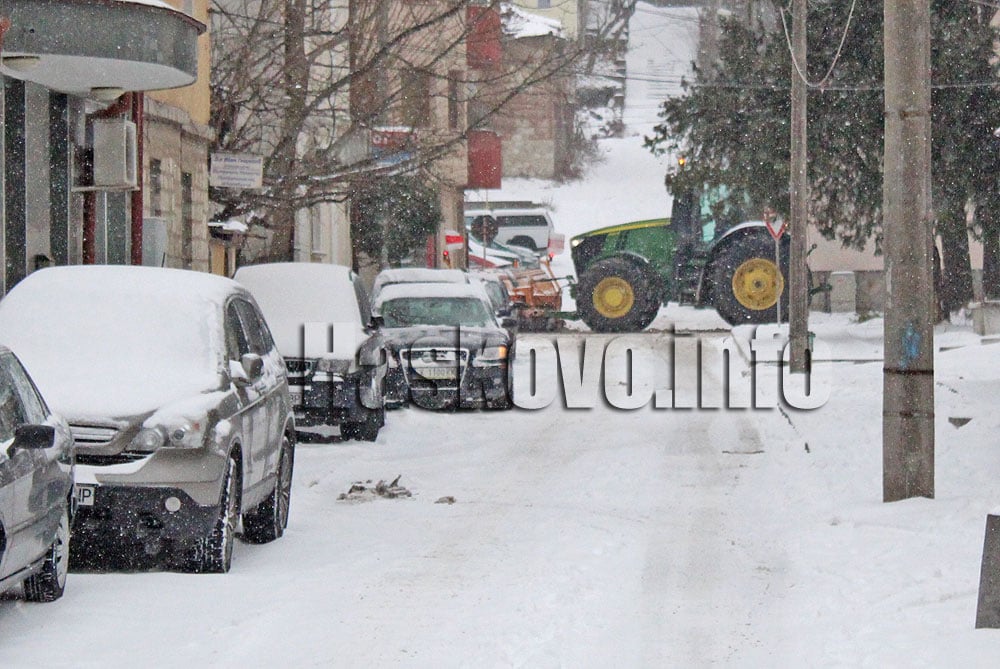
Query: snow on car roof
(417, 275)
(446, 290)
(102, 340)
(293, 294)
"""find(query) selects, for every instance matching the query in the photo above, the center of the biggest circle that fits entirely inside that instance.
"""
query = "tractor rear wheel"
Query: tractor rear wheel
(747, 282)
(615, 295)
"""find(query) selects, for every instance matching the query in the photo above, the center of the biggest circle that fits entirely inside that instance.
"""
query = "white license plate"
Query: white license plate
(436, 372)
(295, 392)
(85, 494)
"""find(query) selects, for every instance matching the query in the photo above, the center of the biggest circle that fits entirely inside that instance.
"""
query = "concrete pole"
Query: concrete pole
(908, 378)
(798, 297)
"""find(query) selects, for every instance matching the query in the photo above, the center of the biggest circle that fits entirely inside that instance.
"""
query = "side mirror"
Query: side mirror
(503, 312)
(33, 437)
(248, 370)
(377, 322)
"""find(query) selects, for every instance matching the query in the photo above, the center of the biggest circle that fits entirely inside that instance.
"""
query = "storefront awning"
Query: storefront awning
(76, 46)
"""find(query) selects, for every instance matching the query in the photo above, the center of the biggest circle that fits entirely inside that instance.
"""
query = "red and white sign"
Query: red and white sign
(453, 240)
(776, 228)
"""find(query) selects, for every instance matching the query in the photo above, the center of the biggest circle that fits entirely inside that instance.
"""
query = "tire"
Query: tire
(365, 429)
(268, 520)
(617, 295)
(747, 283)
(214, 553)
(49, 584)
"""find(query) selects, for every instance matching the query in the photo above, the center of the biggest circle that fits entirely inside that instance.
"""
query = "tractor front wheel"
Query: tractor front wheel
(616, 295)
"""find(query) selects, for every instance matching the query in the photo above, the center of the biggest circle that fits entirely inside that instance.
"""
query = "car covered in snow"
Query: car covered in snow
(396, 275)
(446, 348)
(340, 384)
(36, 487)
(177, 399)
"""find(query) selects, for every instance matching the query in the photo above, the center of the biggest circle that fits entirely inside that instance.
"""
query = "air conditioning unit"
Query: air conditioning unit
(115, 154)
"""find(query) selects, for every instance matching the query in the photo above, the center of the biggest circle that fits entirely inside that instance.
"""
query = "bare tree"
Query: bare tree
(304, 84)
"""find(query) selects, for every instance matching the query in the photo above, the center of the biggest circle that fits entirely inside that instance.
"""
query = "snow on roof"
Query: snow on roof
(518, 23)
(393, 276)
(444, 290)
(292, 295)
(229, 226)
(103, 341)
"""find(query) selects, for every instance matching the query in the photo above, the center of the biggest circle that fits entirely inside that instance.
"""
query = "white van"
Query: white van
(524, 224)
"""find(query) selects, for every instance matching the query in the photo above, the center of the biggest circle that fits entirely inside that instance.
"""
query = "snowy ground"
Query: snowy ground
(594, 537)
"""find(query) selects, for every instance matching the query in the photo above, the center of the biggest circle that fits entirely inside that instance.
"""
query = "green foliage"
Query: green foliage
(732, 124)
(394, 212)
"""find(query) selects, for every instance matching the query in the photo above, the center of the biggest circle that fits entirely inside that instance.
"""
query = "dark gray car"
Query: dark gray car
(177, 399)
(36, 487)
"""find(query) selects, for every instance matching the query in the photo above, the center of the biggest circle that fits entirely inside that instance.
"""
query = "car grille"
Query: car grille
(93, 435)
(298, 368)
(108, 460)
(443, 366)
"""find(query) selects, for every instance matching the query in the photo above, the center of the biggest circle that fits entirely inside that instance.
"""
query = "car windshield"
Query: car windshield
(451, 311)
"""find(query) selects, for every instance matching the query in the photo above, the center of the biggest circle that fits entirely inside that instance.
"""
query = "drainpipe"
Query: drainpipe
(138, 100)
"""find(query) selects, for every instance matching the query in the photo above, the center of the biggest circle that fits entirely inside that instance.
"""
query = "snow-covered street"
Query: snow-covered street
(588, 537)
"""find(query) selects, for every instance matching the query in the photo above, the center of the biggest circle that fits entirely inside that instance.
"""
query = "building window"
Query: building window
(187, 218)
(415, 98)
(156, 187)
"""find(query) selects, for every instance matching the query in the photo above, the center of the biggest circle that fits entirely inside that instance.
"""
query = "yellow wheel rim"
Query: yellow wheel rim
(613, 297)
(758, 283)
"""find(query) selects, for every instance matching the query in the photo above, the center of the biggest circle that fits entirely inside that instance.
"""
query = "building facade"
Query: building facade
(69, 141)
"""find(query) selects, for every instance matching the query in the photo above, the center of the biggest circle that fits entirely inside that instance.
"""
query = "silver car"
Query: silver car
(178, 402)
(36, 483)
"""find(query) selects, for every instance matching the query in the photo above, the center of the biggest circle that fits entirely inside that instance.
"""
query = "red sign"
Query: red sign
(776, 228)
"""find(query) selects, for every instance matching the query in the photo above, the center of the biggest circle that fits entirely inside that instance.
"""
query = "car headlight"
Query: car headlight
(184, 434)
(491, 355)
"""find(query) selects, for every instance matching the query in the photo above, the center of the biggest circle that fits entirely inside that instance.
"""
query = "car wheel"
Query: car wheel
(269, 519)
(214, 553)
(747, 282)
(365, 429)
(49, 584)
(617, 295)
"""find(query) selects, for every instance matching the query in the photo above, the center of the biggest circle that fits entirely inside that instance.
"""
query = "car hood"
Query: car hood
(471, 338)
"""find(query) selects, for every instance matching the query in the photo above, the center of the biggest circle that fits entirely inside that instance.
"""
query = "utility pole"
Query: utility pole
(798, 278)
(908, 377)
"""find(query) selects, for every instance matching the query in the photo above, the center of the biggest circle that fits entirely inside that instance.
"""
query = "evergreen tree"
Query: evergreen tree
(732, 125)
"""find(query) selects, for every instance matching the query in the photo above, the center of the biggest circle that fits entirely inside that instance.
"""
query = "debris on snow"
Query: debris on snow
(363, 491)
(447, 499)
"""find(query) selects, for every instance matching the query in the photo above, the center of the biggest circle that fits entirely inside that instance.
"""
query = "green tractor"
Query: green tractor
(625, 272)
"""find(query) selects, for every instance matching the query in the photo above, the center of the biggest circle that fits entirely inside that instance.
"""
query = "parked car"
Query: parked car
(496, 290)
(177, 399)
(446, 348)
(345, 386)
(498, 255)
(524, 224)
(395, 275)
(36, 487)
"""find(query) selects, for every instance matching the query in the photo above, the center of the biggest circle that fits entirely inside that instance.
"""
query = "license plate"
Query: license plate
(295, 392)
(85, 494)
(437, 372)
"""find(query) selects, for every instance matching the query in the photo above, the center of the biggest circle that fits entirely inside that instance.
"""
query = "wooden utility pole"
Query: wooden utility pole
(798, 277)
(908, 378)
